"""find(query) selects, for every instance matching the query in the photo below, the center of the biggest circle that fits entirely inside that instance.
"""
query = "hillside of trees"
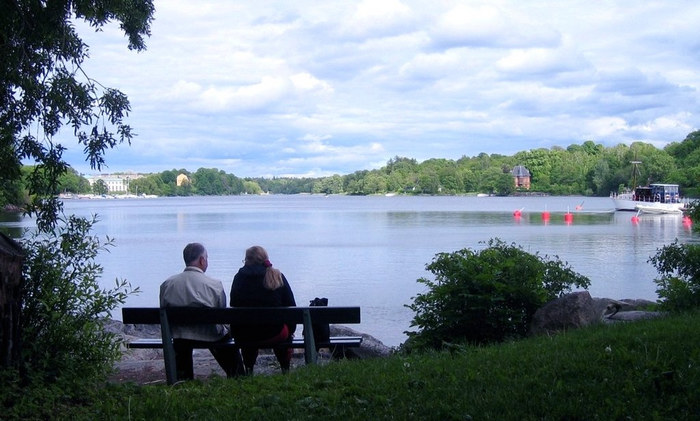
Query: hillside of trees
(587, 169)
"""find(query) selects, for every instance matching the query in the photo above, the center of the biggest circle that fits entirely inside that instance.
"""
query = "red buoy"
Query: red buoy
(635, 218)
(568, 217)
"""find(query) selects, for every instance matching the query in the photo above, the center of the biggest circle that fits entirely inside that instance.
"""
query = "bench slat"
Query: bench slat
(241, 315)
(157, 343)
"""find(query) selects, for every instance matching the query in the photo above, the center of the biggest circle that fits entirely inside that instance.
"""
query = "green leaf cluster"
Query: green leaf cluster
(64, 344)
(43, 87)
(485, 296)
(678, 285)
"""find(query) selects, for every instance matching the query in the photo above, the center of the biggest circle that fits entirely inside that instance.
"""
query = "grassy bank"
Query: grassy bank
(642, 370)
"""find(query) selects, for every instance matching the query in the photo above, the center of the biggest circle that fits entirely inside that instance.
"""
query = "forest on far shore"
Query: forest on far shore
(587, 169)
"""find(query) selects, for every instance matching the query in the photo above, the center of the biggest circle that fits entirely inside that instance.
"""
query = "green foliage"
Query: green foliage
(214, 182)
(100, 187)
(43, 87)
(679, 282)
(586, 169)
(72, 182)
(693, 211)
(687, 156)
(485, 296)
(63, 308)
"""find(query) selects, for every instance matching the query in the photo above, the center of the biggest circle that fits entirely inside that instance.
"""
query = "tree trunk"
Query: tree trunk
(11, 258)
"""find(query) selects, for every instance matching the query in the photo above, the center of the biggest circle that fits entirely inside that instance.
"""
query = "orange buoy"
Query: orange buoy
(545, 216)
(568, 217)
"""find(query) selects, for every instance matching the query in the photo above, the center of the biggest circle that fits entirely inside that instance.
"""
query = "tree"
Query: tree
(251, 187)
(687, 156)
(73, 182)
(485, 296)
(100, 187)
(43, 87)
(150, 184)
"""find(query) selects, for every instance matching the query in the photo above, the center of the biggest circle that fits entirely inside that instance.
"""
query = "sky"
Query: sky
(310, 89)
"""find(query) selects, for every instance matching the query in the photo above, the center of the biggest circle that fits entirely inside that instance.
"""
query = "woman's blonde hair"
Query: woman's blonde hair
(257, 255)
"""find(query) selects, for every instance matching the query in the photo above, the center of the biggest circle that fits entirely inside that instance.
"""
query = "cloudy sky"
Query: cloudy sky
(308, 88)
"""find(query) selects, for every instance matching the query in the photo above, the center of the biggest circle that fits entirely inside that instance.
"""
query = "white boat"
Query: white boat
(654, 198)
(658, 209)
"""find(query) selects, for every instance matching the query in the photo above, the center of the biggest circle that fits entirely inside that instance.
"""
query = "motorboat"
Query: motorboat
(654, 198)
(658, 208)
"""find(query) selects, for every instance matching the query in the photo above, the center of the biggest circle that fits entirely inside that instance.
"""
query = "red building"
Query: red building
(521, 175)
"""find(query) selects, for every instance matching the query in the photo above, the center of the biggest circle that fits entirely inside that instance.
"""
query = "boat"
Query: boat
(654, 198)
(657, 208)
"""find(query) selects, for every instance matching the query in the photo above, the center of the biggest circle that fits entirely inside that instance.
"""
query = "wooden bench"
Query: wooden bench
(247, 316)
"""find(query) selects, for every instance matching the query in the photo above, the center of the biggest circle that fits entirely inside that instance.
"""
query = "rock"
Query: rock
(12, 209)
(579, 309)
(634, 315)
(607, 307)
(570, 311)
(371, 347)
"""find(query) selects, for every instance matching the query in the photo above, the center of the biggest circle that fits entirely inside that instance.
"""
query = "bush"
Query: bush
(63, 342)
(485, 296)
(679, 284)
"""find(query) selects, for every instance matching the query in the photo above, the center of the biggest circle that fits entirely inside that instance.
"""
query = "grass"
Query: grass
(647, 370)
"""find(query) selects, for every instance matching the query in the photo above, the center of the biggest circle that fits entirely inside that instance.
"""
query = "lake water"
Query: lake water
(369, 251)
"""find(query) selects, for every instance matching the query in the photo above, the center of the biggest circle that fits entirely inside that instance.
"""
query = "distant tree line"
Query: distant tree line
(587, 169)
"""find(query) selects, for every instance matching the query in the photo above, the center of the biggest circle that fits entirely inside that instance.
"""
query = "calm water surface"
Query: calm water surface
(369, 251)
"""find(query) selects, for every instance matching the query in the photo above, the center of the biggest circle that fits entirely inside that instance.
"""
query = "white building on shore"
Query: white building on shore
(116, 183)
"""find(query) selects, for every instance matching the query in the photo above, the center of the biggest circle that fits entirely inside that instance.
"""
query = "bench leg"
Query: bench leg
(168, 348)
(310, 355)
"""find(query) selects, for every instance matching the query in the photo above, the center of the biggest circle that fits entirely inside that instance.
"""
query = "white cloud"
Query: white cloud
(486, 25)
(377, 18)
(273, 88)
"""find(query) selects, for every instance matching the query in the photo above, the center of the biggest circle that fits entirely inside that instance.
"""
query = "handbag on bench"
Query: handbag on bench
(322, 331)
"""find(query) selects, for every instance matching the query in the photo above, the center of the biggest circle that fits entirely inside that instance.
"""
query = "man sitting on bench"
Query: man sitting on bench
(192, 288)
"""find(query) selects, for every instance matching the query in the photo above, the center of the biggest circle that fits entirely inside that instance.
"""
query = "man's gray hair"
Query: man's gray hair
(192, 252)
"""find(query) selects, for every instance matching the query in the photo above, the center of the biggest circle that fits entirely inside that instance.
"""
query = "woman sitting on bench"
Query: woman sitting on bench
(258, 284)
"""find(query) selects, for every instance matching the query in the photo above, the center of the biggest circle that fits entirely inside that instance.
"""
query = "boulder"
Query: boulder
(371, 347)
(633, 315)
(568, 312)
(607, 307)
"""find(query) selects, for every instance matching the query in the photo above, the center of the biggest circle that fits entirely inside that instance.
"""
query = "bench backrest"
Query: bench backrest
(241, 315)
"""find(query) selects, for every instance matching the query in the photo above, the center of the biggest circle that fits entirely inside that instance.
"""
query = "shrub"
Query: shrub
(485, 296)
(679, 284)
(63, 342)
